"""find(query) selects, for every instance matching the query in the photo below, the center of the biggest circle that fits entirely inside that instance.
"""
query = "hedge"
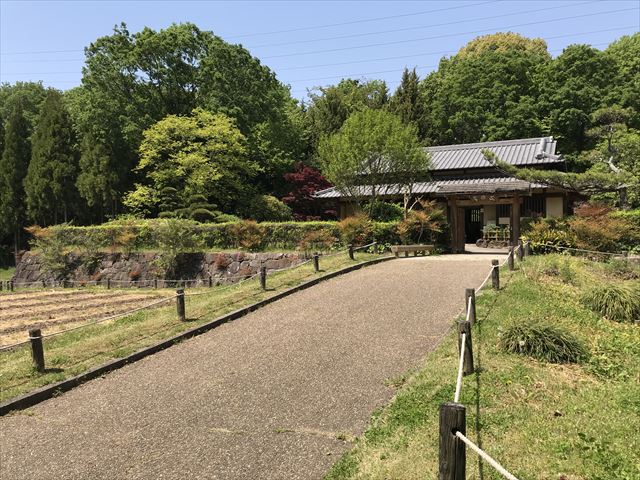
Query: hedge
(151, 234)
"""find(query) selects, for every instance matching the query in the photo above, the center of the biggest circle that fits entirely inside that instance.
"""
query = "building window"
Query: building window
(503, 210)
(533, 206)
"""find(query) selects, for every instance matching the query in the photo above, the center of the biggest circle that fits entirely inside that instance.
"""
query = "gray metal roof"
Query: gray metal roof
(522, 152)
(443, 187)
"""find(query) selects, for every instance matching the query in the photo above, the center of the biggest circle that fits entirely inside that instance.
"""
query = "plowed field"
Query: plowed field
(56, 310)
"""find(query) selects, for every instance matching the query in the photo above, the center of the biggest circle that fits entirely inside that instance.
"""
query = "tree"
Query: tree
(376, 149)
(30, 95)
(407, 101)
(306, 181)
(180, 157)
(572, 87)
(485, 92)
(331, 106)
(625, 54)
(50, 181)
(133, 80)
(13, 165)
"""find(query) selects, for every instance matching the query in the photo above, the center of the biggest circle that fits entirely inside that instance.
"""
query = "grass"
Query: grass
(540, 420)
(6, 273)
(72, 353)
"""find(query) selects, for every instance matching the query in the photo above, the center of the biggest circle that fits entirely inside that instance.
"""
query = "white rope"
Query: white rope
(456, 397)
(485, 456)
(469, 307)
(579, 249)
(225, 287)
(13, 345)
(485, 280)
(364, 246)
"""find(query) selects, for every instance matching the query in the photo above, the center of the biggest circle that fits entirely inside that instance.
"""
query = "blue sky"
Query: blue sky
(307, 44)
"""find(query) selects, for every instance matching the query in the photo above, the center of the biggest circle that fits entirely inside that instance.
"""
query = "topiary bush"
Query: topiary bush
(384, 211)
(544, 342)
(268, 208)
(619, 302)
(356, 230)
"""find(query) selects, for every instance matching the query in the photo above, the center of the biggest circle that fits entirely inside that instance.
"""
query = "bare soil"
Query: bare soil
(55, 310)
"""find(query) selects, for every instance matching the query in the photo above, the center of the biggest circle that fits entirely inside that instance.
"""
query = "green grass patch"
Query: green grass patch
(74, 352)
(540, 420)
(7, 273)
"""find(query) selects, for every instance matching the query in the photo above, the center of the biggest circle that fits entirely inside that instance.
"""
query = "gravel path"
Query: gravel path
(276, 394)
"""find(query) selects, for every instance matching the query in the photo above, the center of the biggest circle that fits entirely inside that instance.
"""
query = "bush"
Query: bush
(51, 250)
(173, 236)
(268, 208)
(427, 221)
(548, 231)
(617, 302)
(595, 228)
(543, 342)
(318, 240)
(384, 211)
(249, 235)
(356, 230)
(143, 234)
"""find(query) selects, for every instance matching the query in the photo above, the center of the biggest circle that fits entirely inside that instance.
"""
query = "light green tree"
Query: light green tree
(203, 154)
(374, 148)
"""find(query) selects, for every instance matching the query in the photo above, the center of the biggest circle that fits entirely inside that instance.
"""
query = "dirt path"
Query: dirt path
(272, 395)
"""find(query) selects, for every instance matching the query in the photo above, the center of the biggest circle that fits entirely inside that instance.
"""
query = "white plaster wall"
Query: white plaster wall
(555, 207)
(489, 214)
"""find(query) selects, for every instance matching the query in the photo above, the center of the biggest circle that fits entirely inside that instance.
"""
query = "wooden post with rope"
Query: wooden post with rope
(453, 453)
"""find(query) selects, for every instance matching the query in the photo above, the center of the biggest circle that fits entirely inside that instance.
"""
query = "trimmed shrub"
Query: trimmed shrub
(544, 342)
(51, 250)
(423, 224)
(249, 235)
(356, 230)
(269, 208)
(144, 234)
(617, 302)
(548, 231)
(318, 240)
(384, 211)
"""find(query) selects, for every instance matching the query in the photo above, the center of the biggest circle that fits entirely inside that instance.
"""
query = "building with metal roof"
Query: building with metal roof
(474, 192)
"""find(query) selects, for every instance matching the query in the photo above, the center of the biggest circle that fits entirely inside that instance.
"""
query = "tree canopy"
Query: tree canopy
(203, 154)
(373, 147)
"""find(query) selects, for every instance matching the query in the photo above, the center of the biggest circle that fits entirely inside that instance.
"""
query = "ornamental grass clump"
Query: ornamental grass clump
(619, 302)
(544, 342)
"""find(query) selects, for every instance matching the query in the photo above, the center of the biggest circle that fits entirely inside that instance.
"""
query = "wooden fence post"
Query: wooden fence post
(520, 250)
(180, 305)
(210, 281)
(470, 293)
(374, 246)
(351, 251)
(108, 284)
(37, 350)
(44, 283)
(10, 283)
(316, 262)
(453, 452)
(527, 249)
(495, 274)
(465, 327)
(510, 260)
(263, 278)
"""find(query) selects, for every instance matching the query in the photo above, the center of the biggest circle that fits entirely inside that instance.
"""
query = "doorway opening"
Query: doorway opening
(473, 223)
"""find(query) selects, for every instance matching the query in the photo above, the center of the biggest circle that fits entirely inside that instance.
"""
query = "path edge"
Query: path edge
(49, 391)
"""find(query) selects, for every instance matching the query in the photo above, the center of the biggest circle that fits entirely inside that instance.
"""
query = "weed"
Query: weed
(544, 342)
(617, 302)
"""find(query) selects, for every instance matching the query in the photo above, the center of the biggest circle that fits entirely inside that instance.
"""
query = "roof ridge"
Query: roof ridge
(496, 143)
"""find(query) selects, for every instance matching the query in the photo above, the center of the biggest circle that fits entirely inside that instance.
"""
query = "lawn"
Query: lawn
(74, 352)
(6, 273)
(539, 420)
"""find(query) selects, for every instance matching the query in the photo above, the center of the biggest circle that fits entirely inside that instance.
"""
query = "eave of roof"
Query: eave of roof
(441, 187)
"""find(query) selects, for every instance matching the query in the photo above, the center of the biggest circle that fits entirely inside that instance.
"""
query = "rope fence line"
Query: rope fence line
(485, 456)
(452, 422)
(558, 247)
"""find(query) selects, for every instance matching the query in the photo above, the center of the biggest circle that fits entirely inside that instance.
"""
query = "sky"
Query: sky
(307, 43)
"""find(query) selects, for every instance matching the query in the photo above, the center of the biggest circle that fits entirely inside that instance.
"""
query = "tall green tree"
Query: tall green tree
(407, 101)
(625, 53)
(50, 181)
(331, 106)
(29, 95)
(203, 155)
(373, 148)
(13, 166)
(572, 87)
(133, 80)
(485, 92)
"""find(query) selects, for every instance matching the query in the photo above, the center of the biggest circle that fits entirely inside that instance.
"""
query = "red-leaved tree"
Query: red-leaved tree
(306, 181)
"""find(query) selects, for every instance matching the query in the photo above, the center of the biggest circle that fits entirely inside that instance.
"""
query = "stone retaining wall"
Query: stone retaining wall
(121, 267)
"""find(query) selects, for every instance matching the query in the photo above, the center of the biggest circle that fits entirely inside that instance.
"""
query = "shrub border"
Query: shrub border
(48, 391)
